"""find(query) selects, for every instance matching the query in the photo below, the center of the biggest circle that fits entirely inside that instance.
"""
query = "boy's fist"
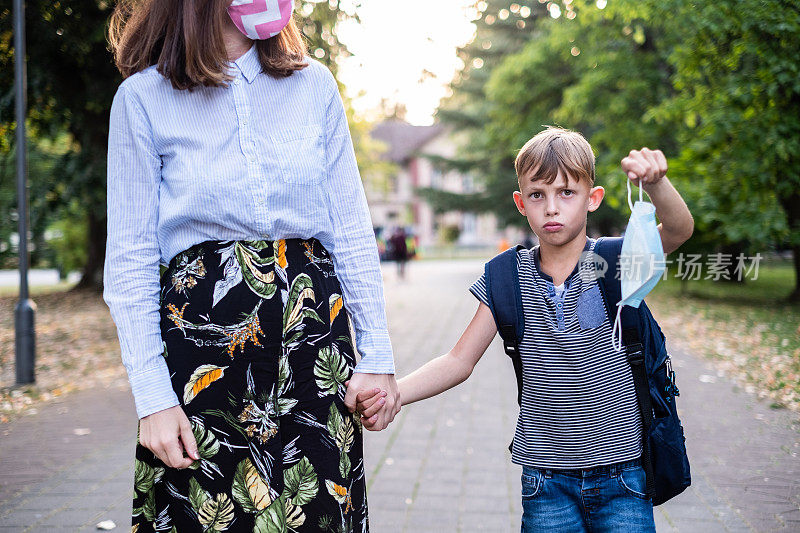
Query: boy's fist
(645, 166)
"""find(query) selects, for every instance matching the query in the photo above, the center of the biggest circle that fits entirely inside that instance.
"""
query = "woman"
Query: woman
(230, 163)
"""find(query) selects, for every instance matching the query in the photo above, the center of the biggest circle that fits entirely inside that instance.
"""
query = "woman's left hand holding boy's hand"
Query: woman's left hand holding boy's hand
(645, 167)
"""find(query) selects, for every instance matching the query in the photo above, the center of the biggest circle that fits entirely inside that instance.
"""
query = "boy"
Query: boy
(578, 435)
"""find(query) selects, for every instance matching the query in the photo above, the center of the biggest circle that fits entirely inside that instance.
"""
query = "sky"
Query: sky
(404, 52)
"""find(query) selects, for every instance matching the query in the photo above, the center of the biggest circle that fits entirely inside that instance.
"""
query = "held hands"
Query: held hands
(369, 403)
(167, 434)
(645, 167)
(382, 390)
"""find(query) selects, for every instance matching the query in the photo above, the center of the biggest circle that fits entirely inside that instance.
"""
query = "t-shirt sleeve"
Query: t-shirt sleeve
(478, 289)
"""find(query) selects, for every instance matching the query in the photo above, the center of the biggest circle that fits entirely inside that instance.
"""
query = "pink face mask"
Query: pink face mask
(261, 19)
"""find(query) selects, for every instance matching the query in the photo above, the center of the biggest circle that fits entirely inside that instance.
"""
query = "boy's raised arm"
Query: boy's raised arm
(648, 168)
(442, 373)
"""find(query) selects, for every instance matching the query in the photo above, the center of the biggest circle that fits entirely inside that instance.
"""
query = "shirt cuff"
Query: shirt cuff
(152, 391)
(376, 352)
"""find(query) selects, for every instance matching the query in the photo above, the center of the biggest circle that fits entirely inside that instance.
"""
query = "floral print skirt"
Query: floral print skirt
(258, 346)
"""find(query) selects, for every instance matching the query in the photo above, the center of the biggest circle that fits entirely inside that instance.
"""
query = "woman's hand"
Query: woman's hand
(167, 433)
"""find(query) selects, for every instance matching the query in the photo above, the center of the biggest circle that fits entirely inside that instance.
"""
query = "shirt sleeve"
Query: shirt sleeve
(131, 272)
(478, 289)
(354, 249)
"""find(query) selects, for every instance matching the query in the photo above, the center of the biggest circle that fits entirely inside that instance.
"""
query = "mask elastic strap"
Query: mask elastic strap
(641, 197)
(617, 328)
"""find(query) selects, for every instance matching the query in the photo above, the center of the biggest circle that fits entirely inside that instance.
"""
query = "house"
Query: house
(397, 203)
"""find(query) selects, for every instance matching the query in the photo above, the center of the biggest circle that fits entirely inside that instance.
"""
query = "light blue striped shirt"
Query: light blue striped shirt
(262, 158)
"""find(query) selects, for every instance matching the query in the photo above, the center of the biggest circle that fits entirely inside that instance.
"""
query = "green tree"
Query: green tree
(319, 22)
(737, 80)
(713, 85)
(71, 81)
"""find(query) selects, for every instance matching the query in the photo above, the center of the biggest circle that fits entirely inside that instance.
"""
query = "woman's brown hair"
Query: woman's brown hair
(184, 38)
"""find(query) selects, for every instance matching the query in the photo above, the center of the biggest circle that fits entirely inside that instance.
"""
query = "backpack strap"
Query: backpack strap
(505, 301)
(611, 287)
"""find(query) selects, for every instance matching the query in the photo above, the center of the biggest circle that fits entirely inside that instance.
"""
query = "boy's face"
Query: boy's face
(556, 212)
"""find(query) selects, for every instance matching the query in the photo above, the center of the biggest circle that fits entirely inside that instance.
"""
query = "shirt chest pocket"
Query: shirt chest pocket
(301, 154)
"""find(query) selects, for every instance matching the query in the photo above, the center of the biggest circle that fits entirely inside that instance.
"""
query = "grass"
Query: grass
(749, 329)
(36, 290)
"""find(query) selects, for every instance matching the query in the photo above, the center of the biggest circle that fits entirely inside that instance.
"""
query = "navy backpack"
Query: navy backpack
(664, 456)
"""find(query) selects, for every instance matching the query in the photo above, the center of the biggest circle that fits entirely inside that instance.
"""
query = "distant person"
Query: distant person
(579, 431)
(237, 355)
(527, 242)
(503, 245)
(399, 246)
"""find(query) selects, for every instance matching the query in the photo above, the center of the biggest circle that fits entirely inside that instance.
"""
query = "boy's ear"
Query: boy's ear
(518, 203)
(596, 195)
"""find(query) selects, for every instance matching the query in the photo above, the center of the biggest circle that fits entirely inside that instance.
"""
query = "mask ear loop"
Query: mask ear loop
(628, 185)
(617, 330)
(641, 197)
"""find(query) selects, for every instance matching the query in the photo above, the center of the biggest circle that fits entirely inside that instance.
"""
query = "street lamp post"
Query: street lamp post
(24, 311)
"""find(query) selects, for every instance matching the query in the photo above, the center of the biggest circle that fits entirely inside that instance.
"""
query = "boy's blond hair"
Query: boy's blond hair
(554, 150)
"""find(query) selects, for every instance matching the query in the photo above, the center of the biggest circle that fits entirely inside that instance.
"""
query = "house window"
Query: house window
(436, 178)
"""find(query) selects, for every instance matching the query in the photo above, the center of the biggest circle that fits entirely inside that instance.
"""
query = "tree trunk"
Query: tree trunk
(92, 276)
(791, 205)
(794, 296)
(733, 250)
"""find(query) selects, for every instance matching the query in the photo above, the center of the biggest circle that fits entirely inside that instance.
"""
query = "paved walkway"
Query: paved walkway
(443, 465)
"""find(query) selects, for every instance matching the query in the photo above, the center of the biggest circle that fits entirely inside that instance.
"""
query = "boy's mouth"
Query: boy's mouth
(553, 226)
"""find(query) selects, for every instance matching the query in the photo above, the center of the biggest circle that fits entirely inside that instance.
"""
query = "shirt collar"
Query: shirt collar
(248, 64)
(547, 276)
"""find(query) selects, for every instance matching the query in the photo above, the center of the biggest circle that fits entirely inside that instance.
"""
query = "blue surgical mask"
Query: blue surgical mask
(641, 260)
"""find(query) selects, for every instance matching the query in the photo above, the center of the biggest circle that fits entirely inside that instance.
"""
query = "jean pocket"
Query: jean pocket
(532, 484)
(634, 482)
(301, 153)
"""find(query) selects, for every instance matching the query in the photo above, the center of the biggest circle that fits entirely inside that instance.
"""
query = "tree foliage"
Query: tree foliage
(716, 86)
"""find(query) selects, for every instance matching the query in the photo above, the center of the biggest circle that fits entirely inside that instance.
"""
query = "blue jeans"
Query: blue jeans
(605, 498)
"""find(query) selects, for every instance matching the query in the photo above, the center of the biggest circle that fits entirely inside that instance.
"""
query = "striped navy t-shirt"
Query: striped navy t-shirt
(578, 399)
